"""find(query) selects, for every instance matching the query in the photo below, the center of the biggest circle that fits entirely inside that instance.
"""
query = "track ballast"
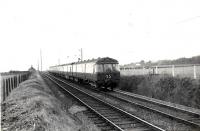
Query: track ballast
(108, 116)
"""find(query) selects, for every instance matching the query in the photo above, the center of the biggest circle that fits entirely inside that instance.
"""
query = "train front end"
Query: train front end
(108, 74)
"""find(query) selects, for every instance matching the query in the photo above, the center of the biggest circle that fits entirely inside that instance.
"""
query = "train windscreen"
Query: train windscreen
(107, 67)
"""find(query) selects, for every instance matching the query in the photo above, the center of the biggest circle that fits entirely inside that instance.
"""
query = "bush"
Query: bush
(130, 83)
(185, 91)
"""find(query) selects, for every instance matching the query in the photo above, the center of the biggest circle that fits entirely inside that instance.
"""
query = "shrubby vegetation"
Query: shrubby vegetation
(185, 91)
(192, 60)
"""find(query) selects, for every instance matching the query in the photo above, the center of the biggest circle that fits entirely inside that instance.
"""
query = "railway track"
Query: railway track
(187, 116)
(106, 115)
(179, 116)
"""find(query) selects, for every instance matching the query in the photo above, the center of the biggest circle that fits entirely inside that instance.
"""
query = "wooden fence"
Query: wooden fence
(189, 70)
(10, 81)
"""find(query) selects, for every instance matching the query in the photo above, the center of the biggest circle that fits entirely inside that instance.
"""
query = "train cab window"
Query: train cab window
(115, 67)
(107, 67)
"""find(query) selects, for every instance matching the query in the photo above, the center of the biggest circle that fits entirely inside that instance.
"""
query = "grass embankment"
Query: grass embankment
(185, 91)
(33, 106)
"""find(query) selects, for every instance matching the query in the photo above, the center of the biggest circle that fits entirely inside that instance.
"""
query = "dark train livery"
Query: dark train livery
(101, 72)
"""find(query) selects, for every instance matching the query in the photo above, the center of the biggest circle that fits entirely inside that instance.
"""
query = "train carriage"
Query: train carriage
(101, 72)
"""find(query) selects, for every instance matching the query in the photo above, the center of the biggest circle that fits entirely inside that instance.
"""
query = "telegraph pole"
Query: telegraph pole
(38, 68)
(41, 58)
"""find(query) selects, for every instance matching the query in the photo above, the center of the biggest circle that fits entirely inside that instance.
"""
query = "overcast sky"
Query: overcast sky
(127, 30)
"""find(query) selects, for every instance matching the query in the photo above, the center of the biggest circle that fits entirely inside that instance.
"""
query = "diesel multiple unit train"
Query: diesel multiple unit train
(101, 72)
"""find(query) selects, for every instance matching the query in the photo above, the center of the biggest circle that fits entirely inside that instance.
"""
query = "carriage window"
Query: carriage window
(99, 68)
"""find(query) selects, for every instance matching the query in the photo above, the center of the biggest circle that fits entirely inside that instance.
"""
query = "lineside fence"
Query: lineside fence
(9, 81)
(190, 70)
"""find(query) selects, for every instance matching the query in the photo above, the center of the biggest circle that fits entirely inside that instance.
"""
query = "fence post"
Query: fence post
(195, 75)
(7, 88)
(1, 86)
(10, 81)
(4, 93)
(156, 69)
(17, 80)
(173, 74)
(13, 83)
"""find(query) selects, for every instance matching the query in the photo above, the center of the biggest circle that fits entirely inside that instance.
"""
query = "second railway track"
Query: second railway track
(111, 117)
(187, 116)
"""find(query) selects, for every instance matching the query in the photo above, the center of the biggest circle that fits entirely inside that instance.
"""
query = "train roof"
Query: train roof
(105, 60)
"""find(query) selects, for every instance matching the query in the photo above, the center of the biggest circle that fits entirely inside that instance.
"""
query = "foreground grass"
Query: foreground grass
(185, 91)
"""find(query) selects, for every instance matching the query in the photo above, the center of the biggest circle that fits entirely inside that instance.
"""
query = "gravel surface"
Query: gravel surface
(35, 105)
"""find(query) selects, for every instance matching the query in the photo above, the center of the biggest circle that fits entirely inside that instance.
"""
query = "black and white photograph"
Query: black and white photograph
(100, 65)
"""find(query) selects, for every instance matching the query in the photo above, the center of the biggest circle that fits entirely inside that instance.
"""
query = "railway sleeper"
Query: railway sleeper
(95, 119)
(101, 108)
(135, 126)
(101, 124)
(117, 117)
(106, 109)
(89, 113)
(125, 122)
(119, 120)
(106, 128)
(92, 116)
(194, 119)
(110, 115)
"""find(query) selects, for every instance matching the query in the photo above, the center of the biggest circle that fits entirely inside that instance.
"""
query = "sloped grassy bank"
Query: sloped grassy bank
(185, 91)
(33, 106)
